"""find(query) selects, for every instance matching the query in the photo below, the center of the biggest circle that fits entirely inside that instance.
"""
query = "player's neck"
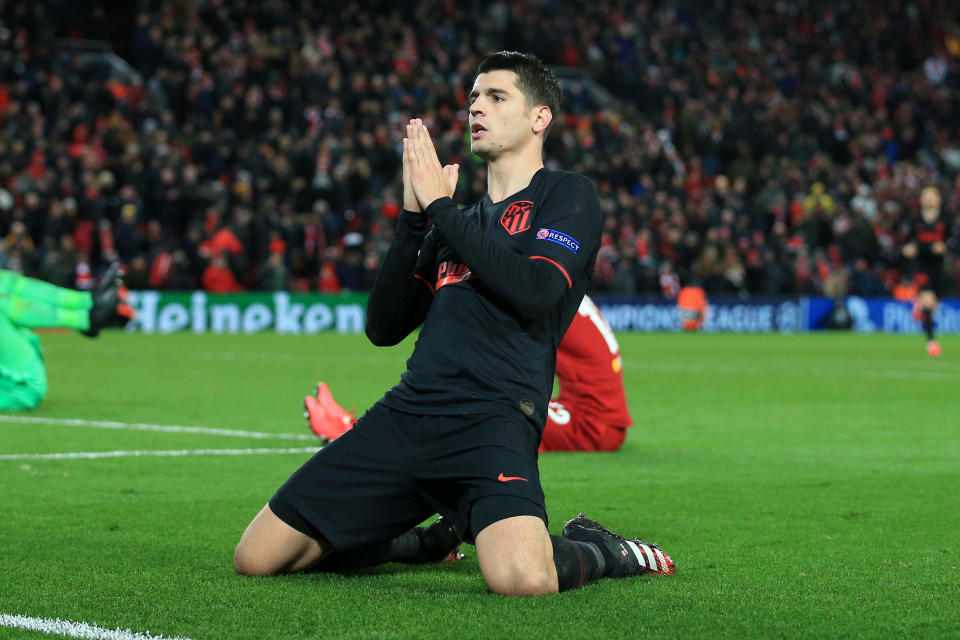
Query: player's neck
(511, 173)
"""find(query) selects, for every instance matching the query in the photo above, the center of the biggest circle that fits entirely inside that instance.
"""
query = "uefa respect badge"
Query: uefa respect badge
(559, 238)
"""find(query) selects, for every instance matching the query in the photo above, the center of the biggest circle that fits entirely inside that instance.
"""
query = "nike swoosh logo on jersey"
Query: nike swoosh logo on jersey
(503, 478)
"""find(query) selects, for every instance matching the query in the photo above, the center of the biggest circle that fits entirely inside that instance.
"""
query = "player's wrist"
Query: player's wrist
(437, 204)
(412, 222)
(411, 204)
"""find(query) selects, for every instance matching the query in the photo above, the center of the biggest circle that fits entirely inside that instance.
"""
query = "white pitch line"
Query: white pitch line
(140, 426)
(912, 375)
(145, 453)
(77, 629)
(906, 374)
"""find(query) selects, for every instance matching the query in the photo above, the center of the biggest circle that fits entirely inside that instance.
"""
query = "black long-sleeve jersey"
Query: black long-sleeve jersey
(495, 285)
(926, 234)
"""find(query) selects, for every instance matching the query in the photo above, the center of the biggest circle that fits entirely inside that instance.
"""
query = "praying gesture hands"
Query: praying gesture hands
(424, 179)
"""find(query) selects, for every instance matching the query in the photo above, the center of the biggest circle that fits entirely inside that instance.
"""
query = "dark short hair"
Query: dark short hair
(534, 79)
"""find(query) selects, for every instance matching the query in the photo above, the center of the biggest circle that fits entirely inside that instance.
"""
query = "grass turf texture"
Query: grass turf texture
(806, 486)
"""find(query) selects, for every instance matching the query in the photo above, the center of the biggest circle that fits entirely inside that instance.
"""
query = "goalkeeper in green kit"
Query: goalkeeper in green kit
(25, 304)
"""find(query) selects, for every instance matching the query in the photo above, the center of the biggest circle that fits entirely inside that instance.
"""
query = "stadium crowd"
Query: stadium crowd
(761, 148)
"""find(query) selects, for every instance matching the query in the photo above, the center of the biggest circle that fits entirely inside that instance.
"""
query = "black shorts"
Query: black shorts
(393, 470)
(933, 279)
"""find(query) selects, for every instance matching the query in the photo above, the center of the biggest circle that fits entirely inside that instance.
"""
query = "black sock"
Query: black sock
(577, 562)
(407, 547)
(928, 323)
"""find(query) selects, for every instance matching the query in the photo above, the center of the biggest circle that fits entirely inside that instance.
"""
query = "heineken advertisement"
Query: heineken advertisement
(292, 313)
(306, 313)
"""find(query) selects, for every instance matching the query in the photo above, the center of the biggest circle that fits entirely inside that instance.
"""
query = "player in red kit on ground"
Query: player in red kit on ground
(589, 414)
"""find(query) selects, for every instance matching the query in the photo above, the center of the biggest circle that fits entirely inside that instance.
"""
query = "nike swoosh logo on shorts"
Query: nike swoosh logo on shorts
(503, 478)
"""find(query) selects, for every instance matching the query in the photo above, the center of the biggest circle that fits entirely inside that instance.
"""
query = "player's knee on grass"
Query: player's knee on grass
(516, 557)
(525, 582)
(251, 558)
(245, 562)
(260, 561)
(512, 576)
(269, 546)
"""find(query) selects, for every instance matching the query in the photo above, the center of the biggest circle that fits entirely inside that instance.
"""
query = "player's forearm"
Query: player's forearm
(399, 300)
(530, 287)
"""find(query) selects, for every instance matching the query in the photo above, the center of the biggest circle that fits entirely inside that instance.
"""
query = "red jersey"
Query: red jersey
(590, 370)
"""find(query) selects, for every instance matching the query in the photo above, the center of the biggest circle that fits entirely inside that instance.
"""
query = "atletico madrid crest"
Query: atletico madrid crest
(516, 218)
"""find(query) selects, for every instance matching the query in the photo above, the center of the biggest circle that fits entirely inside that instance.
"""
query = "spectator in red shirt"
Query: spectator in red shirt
(218, 278)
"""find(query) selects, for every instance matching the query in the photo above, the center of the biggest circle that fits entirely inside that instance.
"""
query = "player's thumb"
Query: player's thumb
(452, 174)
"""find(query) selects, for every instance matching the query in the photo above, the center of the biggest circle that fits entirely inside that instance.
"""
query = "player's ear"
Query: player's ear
(542, 117)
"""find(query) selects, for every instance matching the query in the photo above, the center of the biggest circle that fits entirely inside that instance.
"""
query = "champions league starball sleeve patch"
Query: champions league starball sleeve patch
(560, 238)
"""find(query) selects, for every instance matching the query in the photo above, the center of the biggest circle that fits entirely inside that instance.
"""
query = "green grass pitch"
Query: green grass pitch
(806, 486)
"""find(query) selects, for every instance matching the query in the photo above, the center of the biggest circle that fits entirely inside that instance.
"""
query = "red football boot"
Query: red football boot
(326, 417)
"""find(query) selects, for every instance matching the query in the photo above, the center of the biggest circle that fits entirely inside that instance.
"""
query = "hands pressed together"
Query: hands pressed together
(424, 179)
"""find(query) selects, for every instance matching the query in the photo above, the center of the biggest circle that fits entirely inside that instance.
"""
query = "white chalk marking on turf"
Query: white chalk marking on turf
(695, 368)
(139, 426)
(145, 453)
(905, 374)
(912, 375)
(77, 629)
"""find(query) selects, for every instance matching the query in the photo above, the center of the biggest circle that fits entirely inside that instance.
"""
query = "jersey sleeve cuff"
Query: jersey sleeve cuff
(440, 205)
(413, 223)
(425, 281)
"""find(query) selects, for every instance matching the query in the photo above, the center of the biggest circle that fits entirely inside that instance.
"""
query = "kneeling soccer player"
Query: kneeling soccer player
(494, 286)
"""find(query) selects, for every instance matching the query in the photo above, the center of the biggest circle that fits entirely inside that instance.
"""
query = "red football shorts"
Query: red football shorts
(568, 429)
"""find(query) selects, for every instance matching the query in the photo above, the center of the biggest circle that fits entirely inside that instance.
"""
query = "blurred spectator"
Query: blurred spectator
(126, 236)
(218, 278)
(272, 275)
(181, 276)
(328, 281)
(137, 277)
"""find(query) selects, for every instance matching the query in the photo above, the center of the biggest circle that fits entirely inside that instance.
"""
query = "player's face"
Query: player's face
(500, 119)
(930, 204)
